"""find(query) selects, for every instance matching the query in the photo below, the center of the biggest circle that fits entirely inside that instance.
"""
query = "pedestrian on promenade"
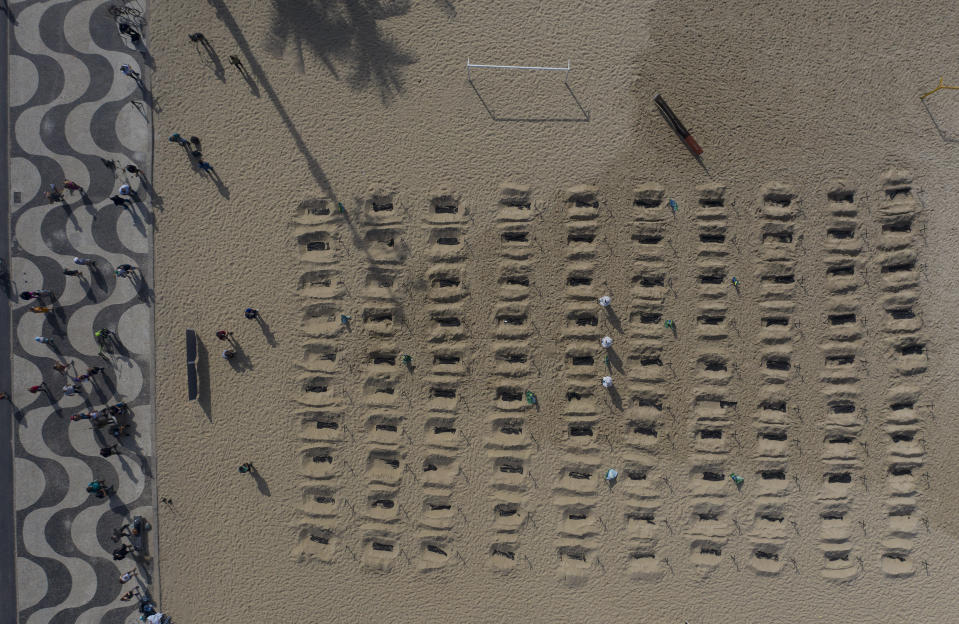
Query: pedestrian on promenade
(176, 138)
(94, 370)
(119, 200)
(122, 272)
(95, 487)
(223, 334)
(43, 340)
(4, 396)
(101, 334)
(60, 367)
(126, 576)
(84, 261)
(197, 37)
(71, 186)
(229, 354)
(72, 272)
(106, 451)
(251, 313)
(126, 70)
(121, 552)
(71, 389)
(37, 388)
(40, 309)
(133, 170)
(33, 294)
(130, 594)
(125, 189)
(245, 468)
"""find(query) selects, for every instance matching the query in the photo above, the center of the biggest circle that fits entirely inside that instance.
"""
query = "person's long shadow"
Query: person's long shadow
(223, 189)
(218, 71)
(144, 292)
(240, 362)
(267, 332)
(97, 276)
(138, 203)
(260, 482)
(156, 201)
(71, 217)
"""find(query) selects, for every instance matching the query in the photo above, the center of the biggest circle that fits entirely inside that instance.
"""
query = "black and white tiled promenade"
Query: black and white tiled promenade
(70, 108)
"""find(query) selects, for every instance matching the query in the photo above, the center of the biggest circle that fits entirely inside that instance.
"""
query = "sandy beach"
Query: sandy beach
(373, 204)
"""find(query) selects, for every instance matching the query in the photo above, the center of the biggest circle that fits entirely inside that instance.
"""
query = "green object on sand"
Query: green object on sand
(341, 206)
(736, 479)
(530, 398)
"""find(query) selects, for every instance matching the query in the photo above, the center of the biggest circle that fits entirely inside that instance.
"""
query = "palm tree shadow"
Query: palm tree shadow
(344, 32)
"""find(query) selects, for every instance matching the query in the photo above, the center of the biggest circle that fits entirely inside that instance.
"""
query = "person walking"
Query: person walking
(72, 272)
(607, 382)
(605, 300)
(119, 201)
(223, 334)
(121, 553)
(37, 388)
(71, 186)
(126, 576)
(130, 594)
(251, 313)
(71, 389)
(126, 70)
(94, 370)
(607, 342)
(228, 354)
(84, 261)
(133, 170)
(121, 272)
(60, 367)
(176, 138)
(95, 487)
(106, 451)
(43, 340)
(27, 295)
(246, 468)
(4, 396)
(40, 309)
(125, 189)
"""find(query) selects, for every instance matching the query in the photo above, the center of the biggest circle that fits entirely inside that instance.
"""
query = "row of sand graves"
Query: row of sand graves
(425, 400)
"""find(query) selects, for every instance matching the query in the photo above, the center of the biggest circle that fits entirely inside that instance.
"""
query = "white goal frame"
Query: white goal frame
(470, 66)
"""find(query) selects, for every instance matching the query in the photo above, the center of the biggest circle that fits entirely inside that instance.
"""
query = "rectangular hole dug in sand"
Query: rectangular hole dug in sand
(777, 237)
(578, 280)
(712, 239)
(841, 319)
(647, 239)
(840, 360)
(580, 430)
(515, 237)
(773, 474)
(904, 225)
(840, 439)
(896, 191)
(898, 268)
(902, 436)
(711, 434)
(775, 436)
(899, 470)
(713, 476)
(779, 363)
(840, 233)
(841, 271)
(902, 314)
(644, 429)
(842, 477)
(843, 408)
(911, 349)
(778, 279)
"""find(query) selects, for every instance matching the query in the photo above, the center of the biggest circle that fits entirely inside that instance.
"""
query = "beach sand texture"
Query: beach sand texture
(373, 204)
